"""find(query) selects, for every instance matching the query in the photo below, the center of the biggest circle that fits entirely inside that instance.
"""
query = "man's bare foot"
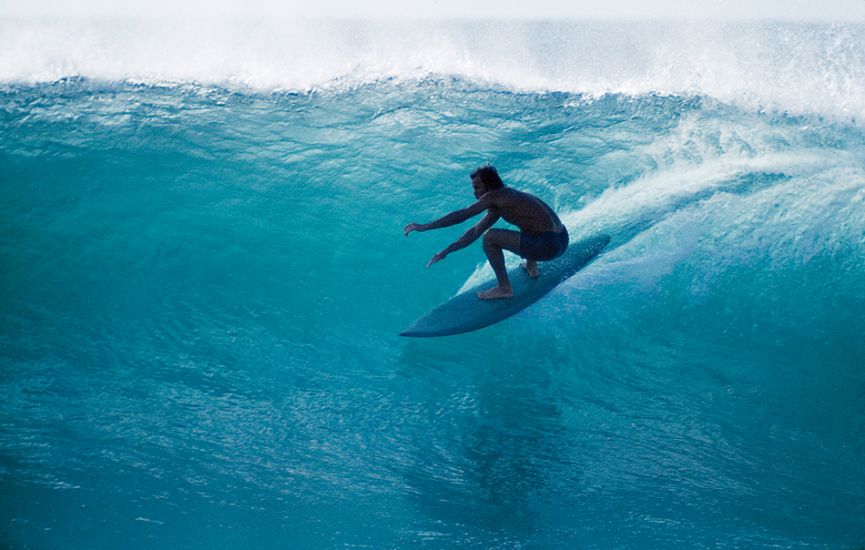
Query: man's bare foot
(531, 267)
(496, 293)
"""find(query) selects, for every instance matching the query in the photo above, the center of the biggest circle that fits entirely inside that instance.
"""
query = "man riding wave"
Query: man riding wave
(541, 235)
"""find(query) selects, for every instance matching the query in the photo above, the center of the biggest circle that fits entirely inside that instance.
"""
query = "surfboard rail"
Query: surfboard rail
(465, 312)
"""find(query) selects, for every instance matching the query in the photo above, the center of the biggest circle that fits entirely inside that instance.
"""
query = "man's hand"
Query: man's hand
(413, 226)
(440, 256)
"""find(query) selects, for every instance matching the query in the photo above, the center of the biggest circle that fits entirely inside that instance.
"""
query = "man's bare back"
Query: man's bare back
(542, 235)
(523, 210)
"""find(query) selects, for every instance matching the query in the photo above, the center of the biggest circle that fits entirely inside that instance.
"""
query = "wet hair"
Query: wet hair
(489, 176)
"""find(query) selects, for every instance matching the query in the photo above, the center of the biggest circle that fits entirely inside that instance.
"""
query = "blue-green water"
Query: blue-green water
(202, 285)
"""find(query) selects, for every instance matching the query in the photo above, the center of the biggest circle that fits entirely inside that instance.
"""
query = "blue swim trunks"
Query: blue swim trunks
(543, 246)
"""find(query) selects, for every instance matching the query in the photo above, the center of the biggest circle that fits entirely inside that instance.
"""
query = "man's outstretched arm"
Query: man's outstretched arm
(455, 217)
(467, 238)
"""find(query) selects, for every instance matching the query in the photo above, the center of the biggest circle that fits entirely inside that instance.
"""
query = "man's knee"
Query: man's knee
(490, 240)
(501, 239)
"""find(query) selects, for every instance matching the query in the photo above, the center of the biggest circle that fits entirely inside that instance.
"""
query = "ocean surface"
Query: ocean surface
(203, 275)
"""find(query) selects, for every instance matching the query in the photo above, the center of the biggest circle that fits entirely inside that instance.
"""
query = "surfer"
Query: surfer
(541, 235)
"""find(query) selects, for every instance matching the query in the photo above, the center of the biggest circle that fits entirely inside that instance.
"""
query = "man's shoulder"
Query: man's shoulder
(504, 193)
(496, 198)
(512, 196)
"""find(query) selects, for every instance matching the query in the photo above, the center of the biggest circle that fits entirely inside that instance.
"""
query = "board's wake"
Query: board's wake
(465, 312)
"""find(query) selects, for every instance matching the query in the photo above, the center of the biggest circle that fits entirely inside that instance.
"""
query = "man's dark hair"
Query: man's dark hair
(489, 176)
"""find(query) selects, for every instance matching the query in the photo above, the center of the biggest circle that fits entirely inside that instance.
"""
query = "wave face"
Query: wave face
(201, 288)
(800, 68)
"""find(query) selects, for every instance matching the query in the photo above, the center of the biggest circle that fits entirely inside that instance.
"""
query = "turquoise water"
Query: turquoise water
(202, 285)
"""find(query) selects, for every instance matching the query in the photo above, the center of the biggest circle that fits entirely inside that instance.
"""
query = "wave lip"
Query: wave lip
(790, 67)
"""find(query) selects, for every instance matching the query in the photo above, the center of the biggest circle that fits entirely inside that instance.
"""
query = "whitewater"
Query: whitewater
(203, 275)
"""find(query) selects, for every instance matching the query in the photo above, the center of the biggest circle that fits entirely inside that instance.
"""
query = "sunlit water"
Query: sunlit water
(202, 285)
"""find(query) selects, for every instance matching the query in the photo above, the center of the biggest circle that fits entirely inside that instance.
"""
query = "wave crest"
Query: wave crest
(788, 67)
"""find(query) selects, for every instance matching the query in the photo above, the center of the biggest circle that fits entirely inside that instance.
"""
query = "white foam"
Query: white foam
(813, 68)
(698, 163)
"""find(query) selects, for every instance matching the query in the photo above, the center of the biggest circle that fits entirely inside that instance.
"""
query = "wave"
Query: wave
(788, 67)
(206, 286)
(751, 189)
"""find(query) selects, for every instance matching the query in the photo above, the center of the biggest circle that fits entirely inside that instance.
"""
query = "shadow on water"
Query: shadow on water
(489, 432)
